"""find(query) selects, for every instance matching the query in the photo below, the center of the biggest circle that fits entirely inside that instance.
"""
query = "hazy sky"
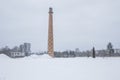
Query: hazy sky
(77, 23)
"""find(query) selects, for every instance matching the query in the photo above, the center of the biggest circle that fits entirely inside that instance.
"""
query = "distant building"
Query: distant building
(16, 54)
(77, 50)
(117, 51)
(16, 49)
(27, 49)
(21, 51)
(22, 48)
(102, 53)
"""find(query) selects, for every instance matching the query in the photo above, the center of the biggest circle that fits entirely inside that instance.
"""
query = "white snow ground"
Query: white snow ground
(47, 68)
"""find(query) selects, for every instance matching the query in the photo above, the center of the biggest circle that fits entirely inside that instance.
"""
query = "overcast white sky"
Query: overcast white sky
(77, 23)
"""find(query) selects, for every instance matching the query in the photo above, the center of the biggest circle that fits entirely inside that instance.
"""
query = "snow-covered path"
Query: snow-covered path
(46, 68)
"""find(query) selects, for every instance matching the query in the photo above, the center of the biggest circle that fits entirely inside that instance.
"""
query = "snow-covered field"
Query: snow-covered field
(47, 68)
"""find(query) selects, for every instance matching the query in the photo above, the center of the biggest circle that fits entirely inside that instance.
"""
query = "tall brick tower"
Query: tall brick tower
(50, 34)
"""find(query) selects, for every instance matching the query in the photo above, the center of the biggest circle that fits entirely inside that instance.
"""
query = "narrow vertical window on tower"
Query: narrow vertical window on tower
(50, 34)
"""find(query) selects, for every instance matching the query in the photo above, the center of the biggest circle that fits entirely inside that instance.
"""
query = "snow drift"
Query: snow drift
(47, 68)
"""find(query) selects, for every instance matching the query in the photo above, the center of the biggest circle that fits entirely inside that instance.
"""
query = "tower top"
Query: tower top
(50, 10)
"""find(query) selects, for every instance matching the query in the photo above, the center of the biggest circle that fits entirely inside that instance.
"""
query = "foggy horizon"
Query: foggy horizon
(77, 24)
